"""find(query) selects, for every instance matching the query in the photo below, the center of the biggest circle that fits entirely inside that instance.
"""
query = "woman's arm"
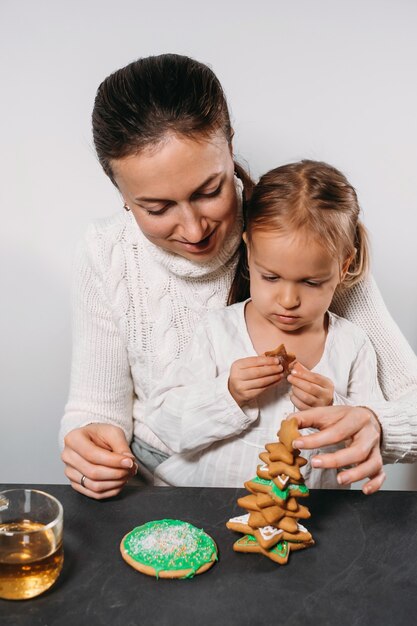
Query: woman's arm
(356, 426)
(387, 432)
(97, 424)
(397, 369)
(193, 407)
(363, 386)
(399, 428)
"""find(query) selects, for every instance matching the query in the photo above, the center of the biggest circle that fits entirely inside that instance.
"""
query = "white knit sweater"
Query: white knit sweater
(135, 307)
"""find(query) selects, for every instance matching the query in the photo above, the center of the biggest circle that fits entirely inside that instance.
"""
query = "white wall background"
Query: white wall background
(327, 79)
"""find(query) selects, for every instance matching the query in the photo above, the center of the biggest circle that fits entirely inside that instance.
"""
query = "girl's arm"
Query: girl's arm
(397, 369)
(193, 407)
(97, 424)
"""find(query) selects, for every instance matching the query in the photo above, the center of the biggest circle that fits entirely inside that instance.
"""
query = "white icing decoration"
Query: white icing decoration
(285, 481)
(240, 519)
(267, 532)
(302, 528)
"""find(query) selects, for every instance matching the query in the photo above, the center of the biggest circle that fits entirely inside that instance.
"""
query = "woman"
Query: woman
(162, 133)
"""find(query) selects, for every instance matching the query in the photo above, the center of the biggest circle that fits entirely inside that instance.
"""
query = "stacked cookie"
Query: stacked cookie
(271, 525)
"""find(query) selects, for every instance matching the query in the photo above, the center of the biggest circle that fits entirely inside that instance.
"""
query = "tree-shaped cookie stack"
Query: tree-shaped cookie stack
(271, 525)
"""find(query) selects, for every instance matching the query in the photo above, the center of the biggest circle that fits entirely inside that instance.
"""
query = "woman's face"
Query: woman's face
(182, 194)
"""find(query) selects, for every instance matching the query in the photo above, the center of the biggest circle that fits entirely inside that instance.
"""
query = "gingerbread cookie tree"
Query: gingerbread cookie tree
(271, 525)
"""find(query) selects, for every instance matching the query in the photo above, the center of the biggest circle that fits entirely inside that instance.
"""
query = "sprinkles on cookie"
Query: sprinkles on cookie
(169, 548)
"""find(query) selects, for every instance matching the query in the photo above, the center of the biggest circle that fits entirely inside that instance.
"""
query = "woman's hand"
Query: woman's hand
(361, 431)
(309, 389)
(249, 377)
(101, 454)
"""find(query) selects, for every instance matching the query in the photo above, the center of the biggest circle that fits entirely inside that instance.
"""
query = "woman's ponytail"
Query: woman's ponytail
(240, 288)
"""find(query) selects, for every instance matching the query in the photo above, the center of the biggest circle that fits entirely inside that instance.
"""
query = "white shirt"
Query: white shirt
(217, 443)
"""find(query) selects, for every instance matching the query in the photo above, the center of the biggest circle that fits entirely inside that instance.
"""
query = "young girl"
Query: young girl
(224, 399)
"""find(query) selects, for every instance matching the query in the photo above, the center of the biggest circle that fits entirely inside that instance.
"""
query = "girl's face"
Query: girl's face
(182, 194)
(292, 279)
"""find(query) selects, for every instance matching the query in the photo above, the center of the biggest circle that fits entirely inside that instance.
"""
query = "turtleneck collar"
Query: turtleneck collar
(180, 266)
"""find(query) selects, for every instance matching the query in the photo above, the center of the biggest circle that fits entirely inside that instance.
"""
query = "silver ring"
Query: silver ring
(82, 481)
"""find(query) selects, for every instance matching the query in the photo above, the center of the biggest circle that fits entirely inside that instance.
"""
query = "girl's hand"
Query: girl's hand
(309, 389)
(361, 431)
(249, 377)
(101, 454)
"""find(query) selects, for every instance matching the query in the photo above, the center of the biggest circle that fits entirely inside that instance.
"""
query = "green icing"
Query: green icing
(283, 494)
(261, 481)
(247, 539)
(281, 548)
(302, 488)
(169, 544)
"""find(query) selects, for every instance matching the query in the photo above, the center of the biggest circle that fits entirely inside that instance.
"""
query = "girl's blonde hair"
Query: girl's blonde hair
(313, 197)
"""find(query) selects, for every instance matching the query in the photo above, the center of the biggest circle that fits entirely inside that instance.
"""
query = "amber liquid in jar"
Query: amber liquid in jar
(31, 563)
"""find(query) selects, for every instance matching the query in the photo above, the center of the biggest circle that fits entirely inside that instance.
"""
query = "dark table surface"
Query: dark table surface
(362, 570)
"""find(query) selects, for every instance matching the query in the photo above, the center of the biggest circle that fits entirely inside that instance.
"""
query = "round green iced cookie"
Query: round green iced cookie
(169, 548)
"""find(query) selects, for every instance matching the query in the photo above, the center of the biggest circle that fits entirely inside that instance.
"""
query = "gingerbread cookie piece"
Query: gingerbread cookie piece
(273, 514)
(302, 512)
(258, 485)
(262, 472)
(278, 452)
(249, 502)
(301, 545)
(288, 432)
(263, 500)
(292, 504)
(240, 524)
(257, 520)
(169, 548)
(300, 535)
(278, 468)
(247, 543)
(268, 536)
(285, 358)
(280, 553)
